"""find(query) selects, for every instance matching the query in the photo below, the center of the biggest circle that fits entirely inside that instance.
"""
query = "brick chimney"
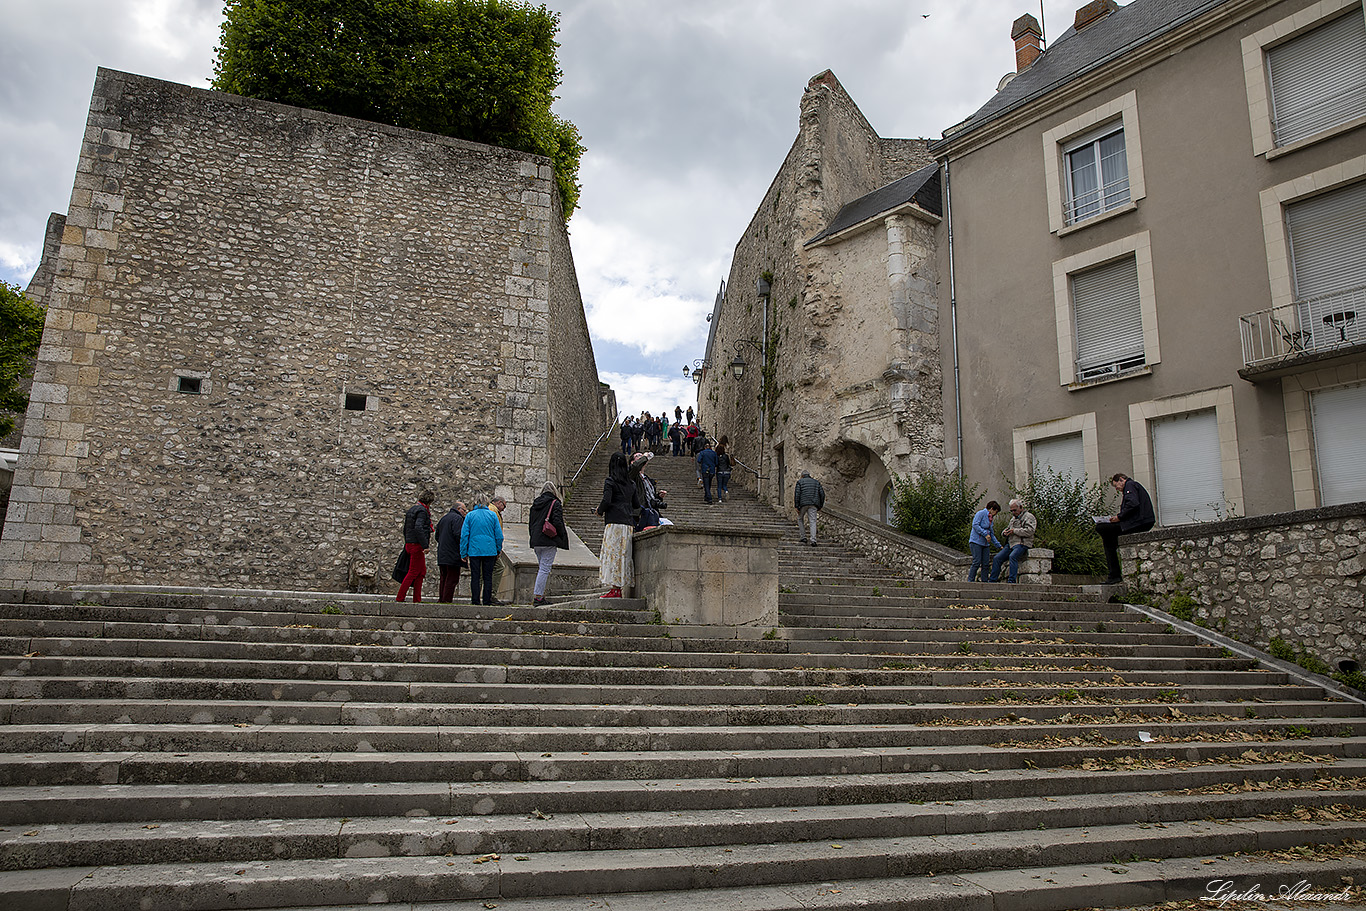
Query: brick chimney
(1093, 12)
(1028, 41)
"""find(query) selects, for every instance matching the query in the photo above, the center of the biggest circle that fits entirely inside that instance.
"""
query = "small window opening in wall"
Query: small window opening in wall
(355, 402)
(190, 385)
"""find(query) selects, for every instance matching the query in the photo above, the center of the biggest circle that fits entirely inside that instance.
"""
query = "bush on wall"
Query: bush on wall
(935, 507)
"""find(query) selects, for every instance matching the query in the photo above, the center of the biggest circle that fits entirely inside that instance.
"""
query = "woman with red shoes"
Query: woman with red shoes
(619, 502)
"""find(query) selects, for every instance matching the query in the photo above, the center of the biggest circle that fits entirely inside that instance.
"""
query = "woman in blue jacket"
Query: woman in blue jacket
(979, 541)
(481, 540)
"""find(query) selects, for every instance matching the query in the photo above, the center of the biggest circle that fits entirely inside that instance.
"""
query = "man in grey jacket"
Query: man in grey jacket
(809, 498)
(1020, 530)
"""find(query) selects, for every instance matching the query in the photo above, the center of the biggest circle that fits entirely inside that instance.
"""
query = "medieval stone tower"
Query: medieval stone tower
(844, 375)
(267, 328)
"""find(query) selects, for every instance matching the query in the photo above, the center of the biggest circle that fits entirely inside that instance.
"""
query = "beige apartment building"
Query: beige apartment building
(1154, 257)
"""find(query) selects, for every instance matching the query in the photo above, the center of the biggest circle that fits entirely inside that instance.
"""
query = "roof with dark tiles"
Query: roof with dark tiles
(920, 187)
(1074, 54)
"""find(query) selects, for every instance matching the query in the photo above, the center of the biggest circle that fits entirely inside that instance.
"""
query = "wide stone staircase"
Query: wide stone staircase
(894, 745)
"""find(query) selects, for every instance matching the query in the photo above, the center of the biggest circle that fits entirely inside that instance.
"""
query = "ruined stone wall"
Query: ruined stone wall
(1299, 576)
(363, 310)
(837, 361)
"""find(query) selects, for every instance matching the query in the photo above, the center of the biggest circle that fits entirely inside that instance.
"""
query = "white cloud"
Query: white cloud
(633, 291)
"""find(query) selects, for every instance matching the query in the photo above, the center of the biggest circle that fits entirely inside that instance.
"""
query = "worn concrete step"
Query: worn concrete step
(305, 883)
(287, 737)
(264, 710)
(446, 664)
(935, 609)
(425, 616)
(501, 684)
(189, 766)
(121, 844)
(208, 801)
(1046, 888)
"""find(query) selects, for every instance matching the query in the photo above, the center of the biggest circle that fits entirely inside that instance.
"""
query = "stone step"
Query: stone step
(21, 805)
(188, 766)
(493, 683)
(340, 880)
(416, 663)
(265, 711)
(246, 737)
(119, 844)
(1049, 888)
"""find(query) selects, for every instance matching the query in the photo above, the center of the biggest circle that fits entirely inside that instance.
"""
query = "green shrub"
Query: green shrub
(1182, 606)
(1064, 507)
(935, 507)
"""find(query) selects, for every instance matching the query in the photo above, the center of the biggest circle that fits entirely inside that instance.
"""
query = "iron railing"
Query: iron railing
(1309, 326)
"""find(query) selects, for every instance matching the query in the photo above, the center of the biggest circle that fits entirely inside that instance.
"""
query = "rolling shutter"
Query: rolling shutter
(1109, 321)
(1190, 478)
(1339, 416)
(1318, 80)
(1060, 455)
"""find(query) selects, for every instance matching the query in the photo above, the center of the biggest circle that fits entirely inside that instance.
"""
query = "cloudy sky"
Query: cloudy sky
(687, 108)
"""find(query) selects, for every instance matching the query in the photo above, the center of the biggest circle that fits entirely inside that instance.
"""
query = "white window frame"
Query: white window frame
(1274, 200)
(1141, 414)
(1085, 424)
(1066, 136)
(1092, 141)
(1140, 247)
(1299, 433)
(1255, 47)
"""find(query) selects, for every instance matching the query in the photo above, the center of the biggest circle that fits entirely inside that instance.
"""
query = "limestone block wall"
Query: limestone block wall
(269, 328)
(1298, 576)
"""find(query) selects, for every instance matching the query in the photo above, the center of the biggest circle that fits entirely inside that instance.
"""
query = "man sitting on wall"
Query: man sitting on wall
(1135, 515)
(1020, 531)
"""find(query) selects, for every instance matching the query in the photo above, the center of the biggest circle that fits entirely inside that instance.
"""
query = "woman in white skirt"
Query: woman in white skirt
(619, 502)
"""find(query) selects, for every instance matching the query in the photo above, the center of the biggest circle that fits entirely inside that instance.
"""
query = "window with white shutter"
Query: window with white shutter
(1108, 320)
(1327, 240)
(1317, 80)
(1339, 418)
(1186, 462)
(1061, 456)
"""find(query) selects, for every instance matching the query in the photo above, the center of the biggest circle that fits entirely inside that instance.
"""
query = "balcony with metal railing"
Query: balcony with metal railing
(1304, 331)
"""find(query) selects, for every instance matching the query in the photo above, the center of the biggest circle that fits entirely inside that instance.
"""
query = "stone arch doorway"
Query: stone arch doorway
(864, 479)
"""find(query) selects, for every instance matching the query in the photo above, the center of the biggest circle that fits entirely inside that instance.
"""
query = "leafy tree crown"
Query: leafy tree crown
(481, 70)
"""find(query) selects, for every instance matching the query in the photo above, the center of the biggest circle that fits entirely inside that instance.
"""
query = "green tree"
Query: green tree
(482, 70)
(21, 330)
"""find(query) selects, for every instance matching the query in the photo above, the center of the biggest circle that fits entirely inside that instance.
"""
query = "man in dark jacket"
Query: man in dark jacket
(417, 537)
(809, 498)
(706, 467)
(1135, 515)
(448, 551)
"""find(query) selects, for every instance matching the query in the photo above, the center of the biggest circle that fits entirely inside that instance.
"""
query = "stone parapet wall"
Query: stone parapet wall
(916, 557)
(709, 577)
(359, 312)
(1297, 576)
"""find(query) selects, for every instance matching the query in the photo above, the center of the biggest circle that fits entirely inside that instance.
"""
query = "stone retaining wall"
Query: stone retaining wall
(269, 328)
(920, 558)
(1296, 575)
(711, 577)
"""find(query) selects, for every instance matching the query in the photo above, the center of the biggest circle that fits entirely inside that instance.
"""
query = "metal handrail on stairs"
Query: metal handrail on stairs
(591, 450)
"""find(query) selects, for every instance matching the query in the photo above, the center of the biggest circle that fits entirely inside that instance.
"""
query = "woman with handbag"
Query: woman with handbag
(548, 535)
(619, 501)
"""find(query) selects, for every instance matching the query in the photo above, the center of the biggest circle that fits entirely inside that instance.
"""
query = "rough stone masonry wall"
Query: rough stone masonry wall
(836, 158)
(1297, 576)
(285, 259)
